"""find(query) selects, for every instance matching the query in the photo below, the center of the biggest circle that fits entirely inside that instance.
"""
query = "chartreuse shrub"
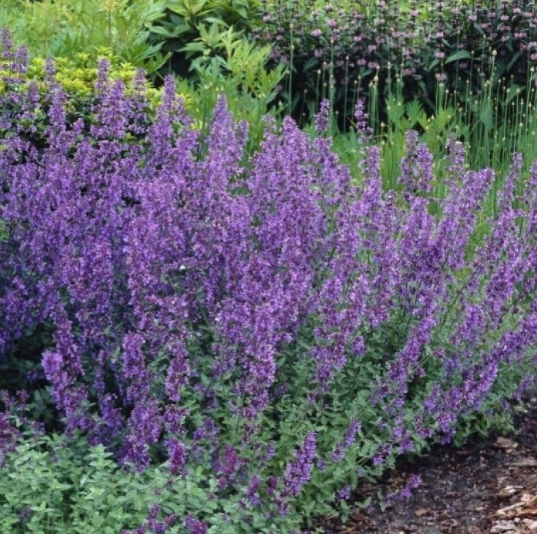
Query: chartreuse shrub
(68, 28)
(250, 334)
(77, 76)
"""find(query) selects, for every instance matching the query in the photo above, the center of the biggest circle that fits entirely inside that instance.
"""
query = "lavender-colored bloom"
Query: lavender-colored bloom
(178, 373)
(9, 435)
(405, 492)
(252, 492)
(342, 446)
(178, 457)
(228, 466)
(323, 118)
(174, 418)
(145, 426)
(134, 369)
(298, 471)
(416, 166)
(363, 129)
(195, 526)
(344, 493)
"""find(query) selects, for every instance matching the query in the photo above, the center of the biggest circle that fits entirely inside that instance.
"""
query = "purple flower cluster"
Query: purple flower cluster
(195, 526)
(153, 525)
(298, 472)
(405, 492)
(347, 442)
(356, 37)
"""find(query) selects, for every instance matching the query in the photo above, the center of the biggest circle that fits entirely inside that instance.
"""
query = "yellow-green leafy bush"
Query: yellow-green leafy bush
(77, 76)
(67, 28)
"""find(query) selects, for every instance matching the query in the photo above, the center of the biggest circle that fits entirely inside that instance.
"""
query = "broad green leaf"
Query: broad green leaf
(461, 54)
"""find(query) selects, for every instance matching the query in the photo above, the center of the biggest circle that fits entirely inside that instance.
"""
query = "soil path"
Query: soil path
(489, 486)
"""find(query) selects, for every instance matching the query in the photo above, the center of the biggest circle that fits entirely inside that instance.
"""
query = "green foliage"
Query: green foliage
(193, 28)
(49, 486)
(69, 28)
(241, 75)
(53, 484)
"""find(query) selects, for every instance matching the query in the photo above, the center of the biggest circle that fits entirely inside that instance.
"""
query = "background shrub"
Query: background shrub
(191, 29)
(341, 52)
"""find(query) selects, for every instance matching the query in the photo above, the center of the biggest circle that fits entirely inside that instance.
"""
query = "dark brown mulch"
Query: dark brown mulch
(489, 486)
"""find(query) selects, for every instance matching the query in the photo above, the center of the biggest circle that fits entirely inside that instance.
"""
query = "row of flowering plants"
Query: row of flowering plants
(257, 324)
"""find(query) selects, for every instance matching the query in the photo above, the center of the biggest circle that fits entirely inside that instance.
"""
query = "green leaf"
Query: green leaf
(434, 64)
(170, 34)
(194, 47)
(97, 520)
(513, 60)
(513, 92)
(39, 508)
(461, 54)
(486, 118)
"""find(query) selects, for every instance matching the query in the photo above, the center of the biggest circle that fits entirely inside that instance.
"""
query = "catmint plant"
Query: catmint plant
(257, 328)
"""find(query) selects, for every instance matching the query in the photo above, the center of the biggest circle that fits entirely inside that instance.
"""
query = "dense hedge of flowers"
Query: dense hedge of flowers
(258, 319)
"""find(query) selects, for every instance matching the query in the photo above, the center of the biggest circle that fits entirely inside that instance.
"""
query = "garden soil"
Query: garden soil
(488, 486)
